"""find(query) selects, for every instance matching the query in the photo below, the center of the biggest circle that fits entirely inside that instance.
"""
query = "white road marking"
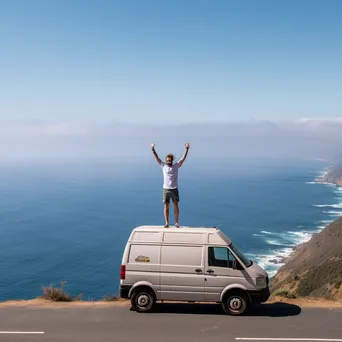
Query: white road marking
(23, 332)
(288, 339)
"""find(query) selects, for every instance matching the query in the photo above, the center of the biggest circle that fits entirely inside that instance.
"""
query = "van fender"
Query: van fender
(233, 287)
(141, 283)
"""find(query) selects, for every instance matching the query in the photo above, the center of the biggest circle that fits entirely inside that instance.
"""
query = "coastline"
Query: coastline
(291, 276)
(332, 176)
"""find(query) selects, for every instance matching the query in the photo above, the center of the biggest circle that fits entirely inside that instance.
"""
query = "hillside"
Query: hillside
(315, 268)
(334, 175)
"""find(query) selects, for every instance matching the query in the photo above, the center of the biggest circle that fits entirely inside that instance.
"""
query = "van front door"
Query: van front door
(219, 272)
(182, 273)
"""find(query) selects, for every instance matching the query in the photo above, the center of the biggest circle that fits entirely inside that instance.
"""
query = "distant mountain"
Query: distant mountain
(315, 268)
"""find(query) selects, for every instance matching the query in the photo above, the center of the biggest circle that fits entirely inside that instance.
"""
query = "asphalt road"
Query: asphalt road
(170, 322)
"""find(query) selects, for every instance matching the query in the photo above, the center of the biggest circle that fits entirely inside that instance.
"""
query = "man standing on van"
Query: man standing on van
(170, 186)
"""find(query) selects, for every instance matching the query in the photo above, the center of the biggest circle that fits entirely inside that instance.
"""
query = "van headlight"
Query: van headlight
(260, 282)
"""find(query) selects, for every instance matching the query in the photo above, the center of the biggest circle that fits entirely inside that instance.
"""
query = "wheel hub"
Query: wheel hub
(143, 300)
(235, 303)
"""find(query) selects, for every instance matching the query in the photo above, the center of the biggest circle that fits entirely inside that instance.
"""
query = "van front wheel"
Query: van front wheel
(142, 300)
(235, 303)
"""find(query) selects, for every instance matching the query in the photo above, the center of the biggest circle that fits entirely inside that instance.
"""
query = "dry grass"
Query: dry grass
(56, 294)
(320, 279)
(284, 293)
(111, 298)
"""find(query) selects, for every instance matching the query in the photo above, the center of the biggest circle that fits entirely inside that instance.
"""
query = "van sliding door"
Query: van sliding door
(182, 273)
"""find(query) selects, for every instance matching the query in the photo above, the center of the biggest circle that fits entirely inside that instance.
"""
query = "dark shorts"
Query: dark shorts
(170, 193)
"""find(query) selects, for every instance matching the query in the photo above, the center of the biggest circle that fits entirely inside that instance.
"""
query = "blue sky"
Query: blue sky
(170, 61)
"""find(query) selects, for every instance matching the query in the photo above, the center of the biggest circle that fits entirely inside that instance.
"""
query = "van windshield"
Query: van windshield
(240, 255)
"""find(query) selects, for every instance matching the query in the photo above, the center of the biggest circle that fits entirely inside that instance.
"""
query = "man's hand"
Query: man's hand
(155, 153)
(187, 146)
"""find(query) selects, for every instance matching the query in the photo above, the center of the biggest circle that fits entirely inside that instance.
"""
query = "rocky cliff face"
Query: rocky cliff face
(315, 268)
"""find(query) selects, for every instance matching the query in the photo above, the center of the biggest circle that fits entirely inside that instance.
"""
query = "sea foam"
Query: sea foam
(336, 206)
(333, 213)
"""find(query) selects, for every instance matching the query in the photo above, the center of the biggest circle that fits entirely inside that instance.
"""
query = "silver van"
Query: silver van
(189, 264)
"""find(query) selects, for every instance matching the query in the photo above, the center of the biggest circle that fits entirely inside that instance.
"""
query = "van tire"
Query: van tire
(143, 300)
(235, 302)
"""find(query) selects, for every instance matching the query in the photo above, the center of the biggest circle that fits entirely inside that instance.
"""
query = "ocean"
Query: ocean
(70, 220)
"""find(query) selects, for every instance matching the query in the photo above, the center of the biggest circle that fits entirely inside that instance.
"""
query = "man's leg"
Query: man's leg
(175, 200)
(166, 201)
(176, 210)
(166, 214)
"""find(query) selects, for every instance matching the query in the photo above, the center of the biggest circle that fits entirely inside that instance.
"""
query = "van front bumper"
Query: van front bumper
(259, 296)
(124, 290)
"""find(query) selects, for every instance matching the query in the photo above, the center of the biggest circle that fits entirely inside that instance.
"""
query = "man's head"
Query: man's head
(169, 159)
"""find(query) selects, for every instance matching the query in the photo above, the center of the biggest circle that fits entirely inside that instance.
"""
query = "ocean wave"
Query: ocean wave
(300, 237)
(286, 239)
(301, 234)
(321, 174)
(271, 261)
(319, 228)
(333, 213)
(284, 244)
(332, 185)
(324, 172)
(336, 206)
(274, 242)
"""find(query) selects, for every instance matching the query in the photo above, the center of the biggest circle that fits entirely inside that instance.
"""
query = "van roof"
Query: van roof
(181, 229)
(186, 234)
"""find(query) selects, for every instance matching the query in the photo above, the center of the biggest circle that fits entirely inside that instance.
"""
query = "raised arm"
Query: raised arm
(181, 161)
(155, 153)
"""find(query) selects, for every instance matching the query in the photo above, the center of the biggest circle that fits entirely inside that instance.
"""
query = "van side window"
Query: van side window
(220, 257)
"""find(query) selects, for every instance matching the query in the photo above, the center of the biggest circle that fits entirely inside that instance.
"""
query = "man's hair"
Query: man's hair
(170, 155)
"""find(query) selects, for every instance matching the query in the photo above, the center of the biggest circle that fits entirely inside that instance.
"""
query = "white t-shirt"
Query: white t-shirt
(170, 175)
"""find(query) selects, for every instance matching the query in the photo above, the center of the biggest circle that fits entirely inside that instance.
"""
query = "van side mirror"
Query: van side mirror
(236, 265)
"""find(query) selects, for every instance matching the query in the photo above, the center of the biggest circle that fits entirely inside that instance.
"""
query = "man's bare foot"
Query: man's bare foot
(166, 226)
(177, 225)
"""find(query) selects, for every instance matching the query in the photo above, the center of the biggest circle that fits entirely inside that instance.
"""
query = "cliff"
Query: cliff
(315, 267)
(333, 175)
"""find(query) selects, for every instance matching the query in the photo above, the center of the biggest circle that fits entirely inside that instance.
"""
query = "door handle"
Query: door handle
(198, 270)
(210, 271)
